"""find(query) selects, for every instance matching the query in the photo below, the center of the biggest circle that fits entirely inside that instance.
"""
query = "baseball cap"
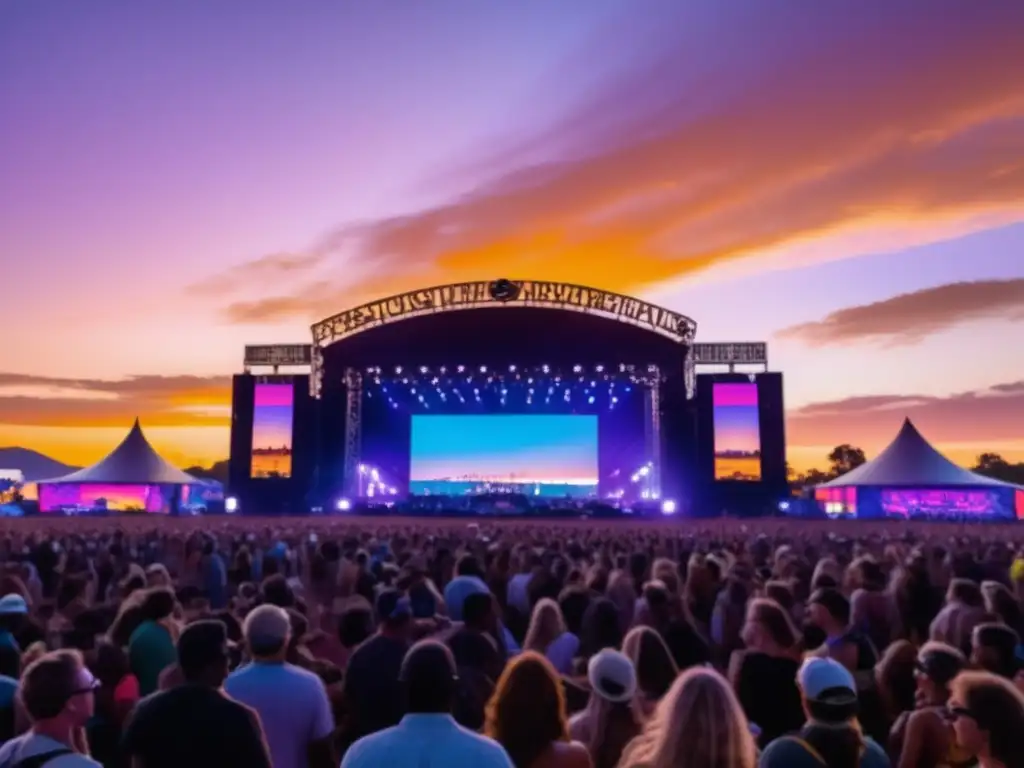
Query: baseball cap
(938, 663)
(827, 681)
(612, 676)
(393, 605)
(13, 604)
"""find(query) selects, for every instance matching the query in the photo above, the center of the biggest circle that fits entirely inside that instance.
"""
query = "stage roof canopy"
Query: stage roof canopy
(910, 461)
(133, 462)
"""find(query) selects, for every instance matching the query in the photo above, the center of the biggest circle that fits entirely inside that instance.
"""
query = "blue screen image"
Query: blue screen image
(535, 454)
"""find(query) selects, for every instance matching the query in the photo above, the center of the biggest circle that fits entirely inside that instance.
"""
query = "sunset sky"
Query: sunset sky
(844, 180)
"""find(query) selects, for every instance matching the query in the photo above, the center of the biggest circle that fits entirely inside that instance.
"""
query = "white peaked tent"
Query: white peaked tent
(133, 462)
(910, 461)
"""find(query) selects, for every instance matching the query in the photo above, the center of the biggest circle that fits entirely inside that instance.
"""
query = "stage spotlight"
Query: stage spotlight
(483, 369)
(645, 471)
(374, 475)
(512, 369)
(231, 505)
(423, 369)
(344, 505)
(362, 469)
(460, 369)
(615, 400)
(599, 369)
(398, 369)
(590, 400)
(668, 507)
(783, 506)
(545, 369)
(577, 368)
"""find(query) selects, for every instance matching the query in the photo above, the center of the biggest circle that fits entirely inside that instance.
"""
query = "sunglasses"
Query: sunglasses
(955, 713)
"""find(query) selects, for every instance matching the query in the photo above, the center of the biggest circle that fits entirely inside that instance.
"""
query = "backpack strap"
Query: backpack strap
(813, 752)
(42, 759)
(807, 748)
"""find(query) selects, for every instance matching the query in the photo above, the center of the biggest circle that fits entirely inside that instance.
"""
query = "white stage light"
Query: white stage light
(362, 469)
(668, 507)
(230, 505)
(783, 506)
(344, 505)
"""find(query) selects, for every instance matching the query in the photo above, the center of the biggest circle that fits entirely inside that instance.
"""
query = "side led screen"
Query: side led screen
(946, 504)
(76, 498)
(537, 455)
(737, 431)
(272, 430)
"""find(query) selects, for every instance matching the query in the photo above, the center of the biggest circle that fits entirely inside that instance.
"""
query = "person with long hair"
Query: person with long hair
(988, 720)
(527, 716)
(656, 670)
(549, 636)
(699, 724)
(764, 674)
(611, 718)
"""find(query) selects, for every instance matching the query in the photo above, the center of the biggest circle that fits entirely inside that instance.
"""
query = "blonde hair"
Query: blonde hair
(546, 624)
(699, 724)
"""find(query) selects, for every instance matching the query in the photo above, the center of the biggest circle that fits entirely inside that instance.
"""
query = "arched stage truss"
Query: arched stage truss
(500, 293)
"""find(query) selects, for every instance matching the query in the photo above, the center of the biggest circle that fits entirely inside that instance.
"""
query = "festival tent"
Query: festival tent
(132, 476)
(910, 476)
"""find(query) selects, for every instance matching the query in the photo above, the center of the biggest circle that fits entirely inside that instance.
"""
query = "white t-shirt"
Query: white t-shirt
(31, 744)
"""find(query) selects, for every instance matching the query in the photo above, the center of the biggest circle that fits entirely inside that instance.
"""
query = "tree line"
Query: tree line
(841, 460)
(845, 457)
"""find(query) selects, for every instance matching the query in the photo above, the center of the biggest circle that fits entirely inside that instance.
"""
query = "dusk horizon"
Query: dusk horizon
(848, 189)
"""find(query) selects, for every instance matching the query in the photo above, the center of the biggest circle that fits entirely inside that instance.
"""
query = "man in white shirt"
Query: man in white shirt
(428, 736)
(57, 693)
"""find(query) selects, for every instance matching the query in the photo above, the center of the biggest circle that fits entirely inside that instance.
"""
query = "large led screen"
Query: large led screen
(77, 498)
(737, 421)
(272, 430)
(539, 455)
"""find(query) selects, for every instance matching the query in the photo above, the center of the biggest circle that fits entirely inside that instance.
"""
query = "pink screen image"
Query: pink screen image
(737, 425)
(272, 430)
(155, 499)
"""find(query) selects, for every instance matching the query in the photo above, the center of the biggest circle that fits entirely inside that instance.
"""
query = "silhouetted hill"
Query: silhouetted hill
(34, 465)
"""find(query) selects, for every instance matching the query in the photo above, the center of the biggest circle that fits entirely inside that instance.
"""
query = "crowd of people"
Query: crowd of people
(429, 643)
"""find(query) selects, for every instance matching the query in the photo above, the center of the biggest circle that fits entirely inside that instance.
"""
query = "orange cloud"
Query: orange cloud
(910, 317)
(912, 118)
(965, 424)
(160, 401)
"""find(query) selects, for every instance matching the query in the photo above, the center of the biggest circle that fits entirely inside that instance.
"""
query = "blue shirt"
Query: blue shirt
(215, 580)
(292, 704)
(426, 741)
(789, 752)
(458, 589)
(8, 690)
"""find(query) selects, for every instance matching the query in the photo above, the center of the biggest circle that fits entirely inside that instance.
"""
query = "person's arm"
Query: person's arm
(913, 740)
(321, 744)
(252, 748)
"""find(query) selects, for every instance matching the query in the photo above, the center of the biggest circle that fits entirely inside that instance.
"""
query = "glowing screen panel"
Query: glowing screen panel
(272, 430)
(737, 426)
(76, 498)
(538, 454)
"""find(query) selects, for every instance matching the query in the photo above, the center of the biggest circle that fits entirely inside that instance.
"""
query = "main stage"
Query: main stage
(536, 395)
